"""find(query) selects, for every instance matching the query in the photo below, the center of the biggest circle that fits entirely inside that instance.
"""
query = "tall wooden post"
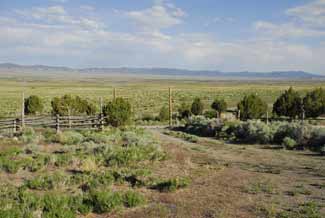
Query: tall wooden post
(114, 94)
(69, 118)
(170, 108)
(101, 117)
(267, 117)
(23, 111)
(238, 115)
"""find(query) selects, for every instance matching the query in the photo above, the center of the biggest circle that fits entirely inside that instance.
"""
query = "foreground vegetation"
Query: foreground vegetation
(289, 135)
(76, 173)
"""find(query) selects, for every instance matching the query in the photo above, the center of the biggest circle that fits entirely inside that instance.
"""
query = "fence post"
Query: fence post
(57, 126)
(238, 115)
(101, 117)
(69, 118)
(23, 111)
(114, 94)
(14, 129)
(170, 108)
(267, 117)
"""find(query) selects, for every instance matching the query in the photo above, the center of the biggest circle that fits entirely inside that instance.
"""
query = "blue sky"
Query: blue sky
(227, 35)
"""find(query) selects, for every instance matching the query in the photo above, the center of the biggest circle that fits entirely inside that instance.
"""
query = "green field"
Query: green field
(146, 96)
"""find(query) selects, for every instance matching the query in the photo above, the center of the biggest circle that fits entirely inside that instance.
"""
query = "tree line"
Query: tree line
(119, 112)
(289, 104)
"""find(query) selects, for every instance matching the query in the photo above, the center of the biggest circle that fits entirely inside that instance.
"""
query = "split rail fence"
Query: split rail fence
(56, 122)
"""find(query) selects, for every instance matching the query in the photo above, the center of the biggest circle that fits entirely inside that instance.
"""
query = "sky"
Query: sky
(225, 35)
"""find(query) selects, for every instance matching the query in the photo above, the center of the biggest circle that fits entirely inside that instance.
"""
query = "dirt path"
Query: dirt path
(237, 181)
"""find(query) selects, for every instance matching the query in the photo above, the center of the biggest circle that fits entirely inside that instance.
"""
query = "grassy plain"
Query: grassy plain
(226, 180)
(147, 96)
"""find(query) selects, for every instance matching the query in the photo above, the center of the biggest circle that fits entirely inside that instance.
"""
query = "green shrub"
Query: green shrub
(148, 117)
(106, 201)
(29, 136)
(252, 107)
(62, 160)
(288, 104)
(118, 112)
(50, 135)
(10, 166)
(69, 105)
(184, 111)
(133, 154)
(33, 105)
(70, 138)
(57, 206)
(289, 143)
(172, 185)
(197, 107)
(98, 180)
(133, 199)
(322, 150)
(38, 162)
(8, 161)
(163, 114)
(254, 132)
(210, 114)
(219, 105)
(46, 182)
(314, 103)
(201, 126)
(80, 203)
(294, 130)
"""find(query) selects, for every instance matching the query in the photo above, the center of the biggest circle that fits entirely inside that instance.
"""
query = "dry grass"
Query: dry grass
(236, 181)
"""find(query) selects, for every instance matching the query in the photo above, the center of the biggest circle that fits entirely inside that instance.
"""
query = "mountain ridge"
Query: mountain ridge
(11, 67)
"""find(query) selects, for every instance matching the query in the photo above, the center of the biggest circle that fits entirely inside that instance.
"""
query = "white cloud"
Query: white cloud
(286, 30)
(54, 34)
(87, 7)
(58, 15)
(312, 13)
(159, 16)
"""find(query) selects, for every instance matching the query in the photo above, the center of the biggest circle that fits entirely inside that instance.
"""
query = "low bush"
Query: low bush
(106, 201)
(289, 143)
(57, 206)
(98, 180)
(197, 107)
(9, 161)
(46, 182)
(10, 166)
(119, 112)
(171, 185)
(70, 138)
(37, 162)
(210, 114)
(317, 139)
(124, 156)
(133, 199)
(29, 136)
(201, 126)
(163, 114)
(61, 160)
(254, 132)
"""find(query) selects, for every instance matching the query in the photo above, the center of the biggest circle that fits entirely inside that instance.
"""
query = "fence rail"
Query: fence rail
(57, 122)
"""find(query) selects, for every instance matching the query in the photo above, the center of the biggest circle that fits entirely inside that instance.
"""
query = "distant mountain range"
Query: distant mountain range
(9, 68)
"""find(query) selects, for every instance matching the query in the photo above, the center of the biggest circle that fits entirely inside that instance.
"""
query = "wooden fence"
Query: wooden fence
(57, 122)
